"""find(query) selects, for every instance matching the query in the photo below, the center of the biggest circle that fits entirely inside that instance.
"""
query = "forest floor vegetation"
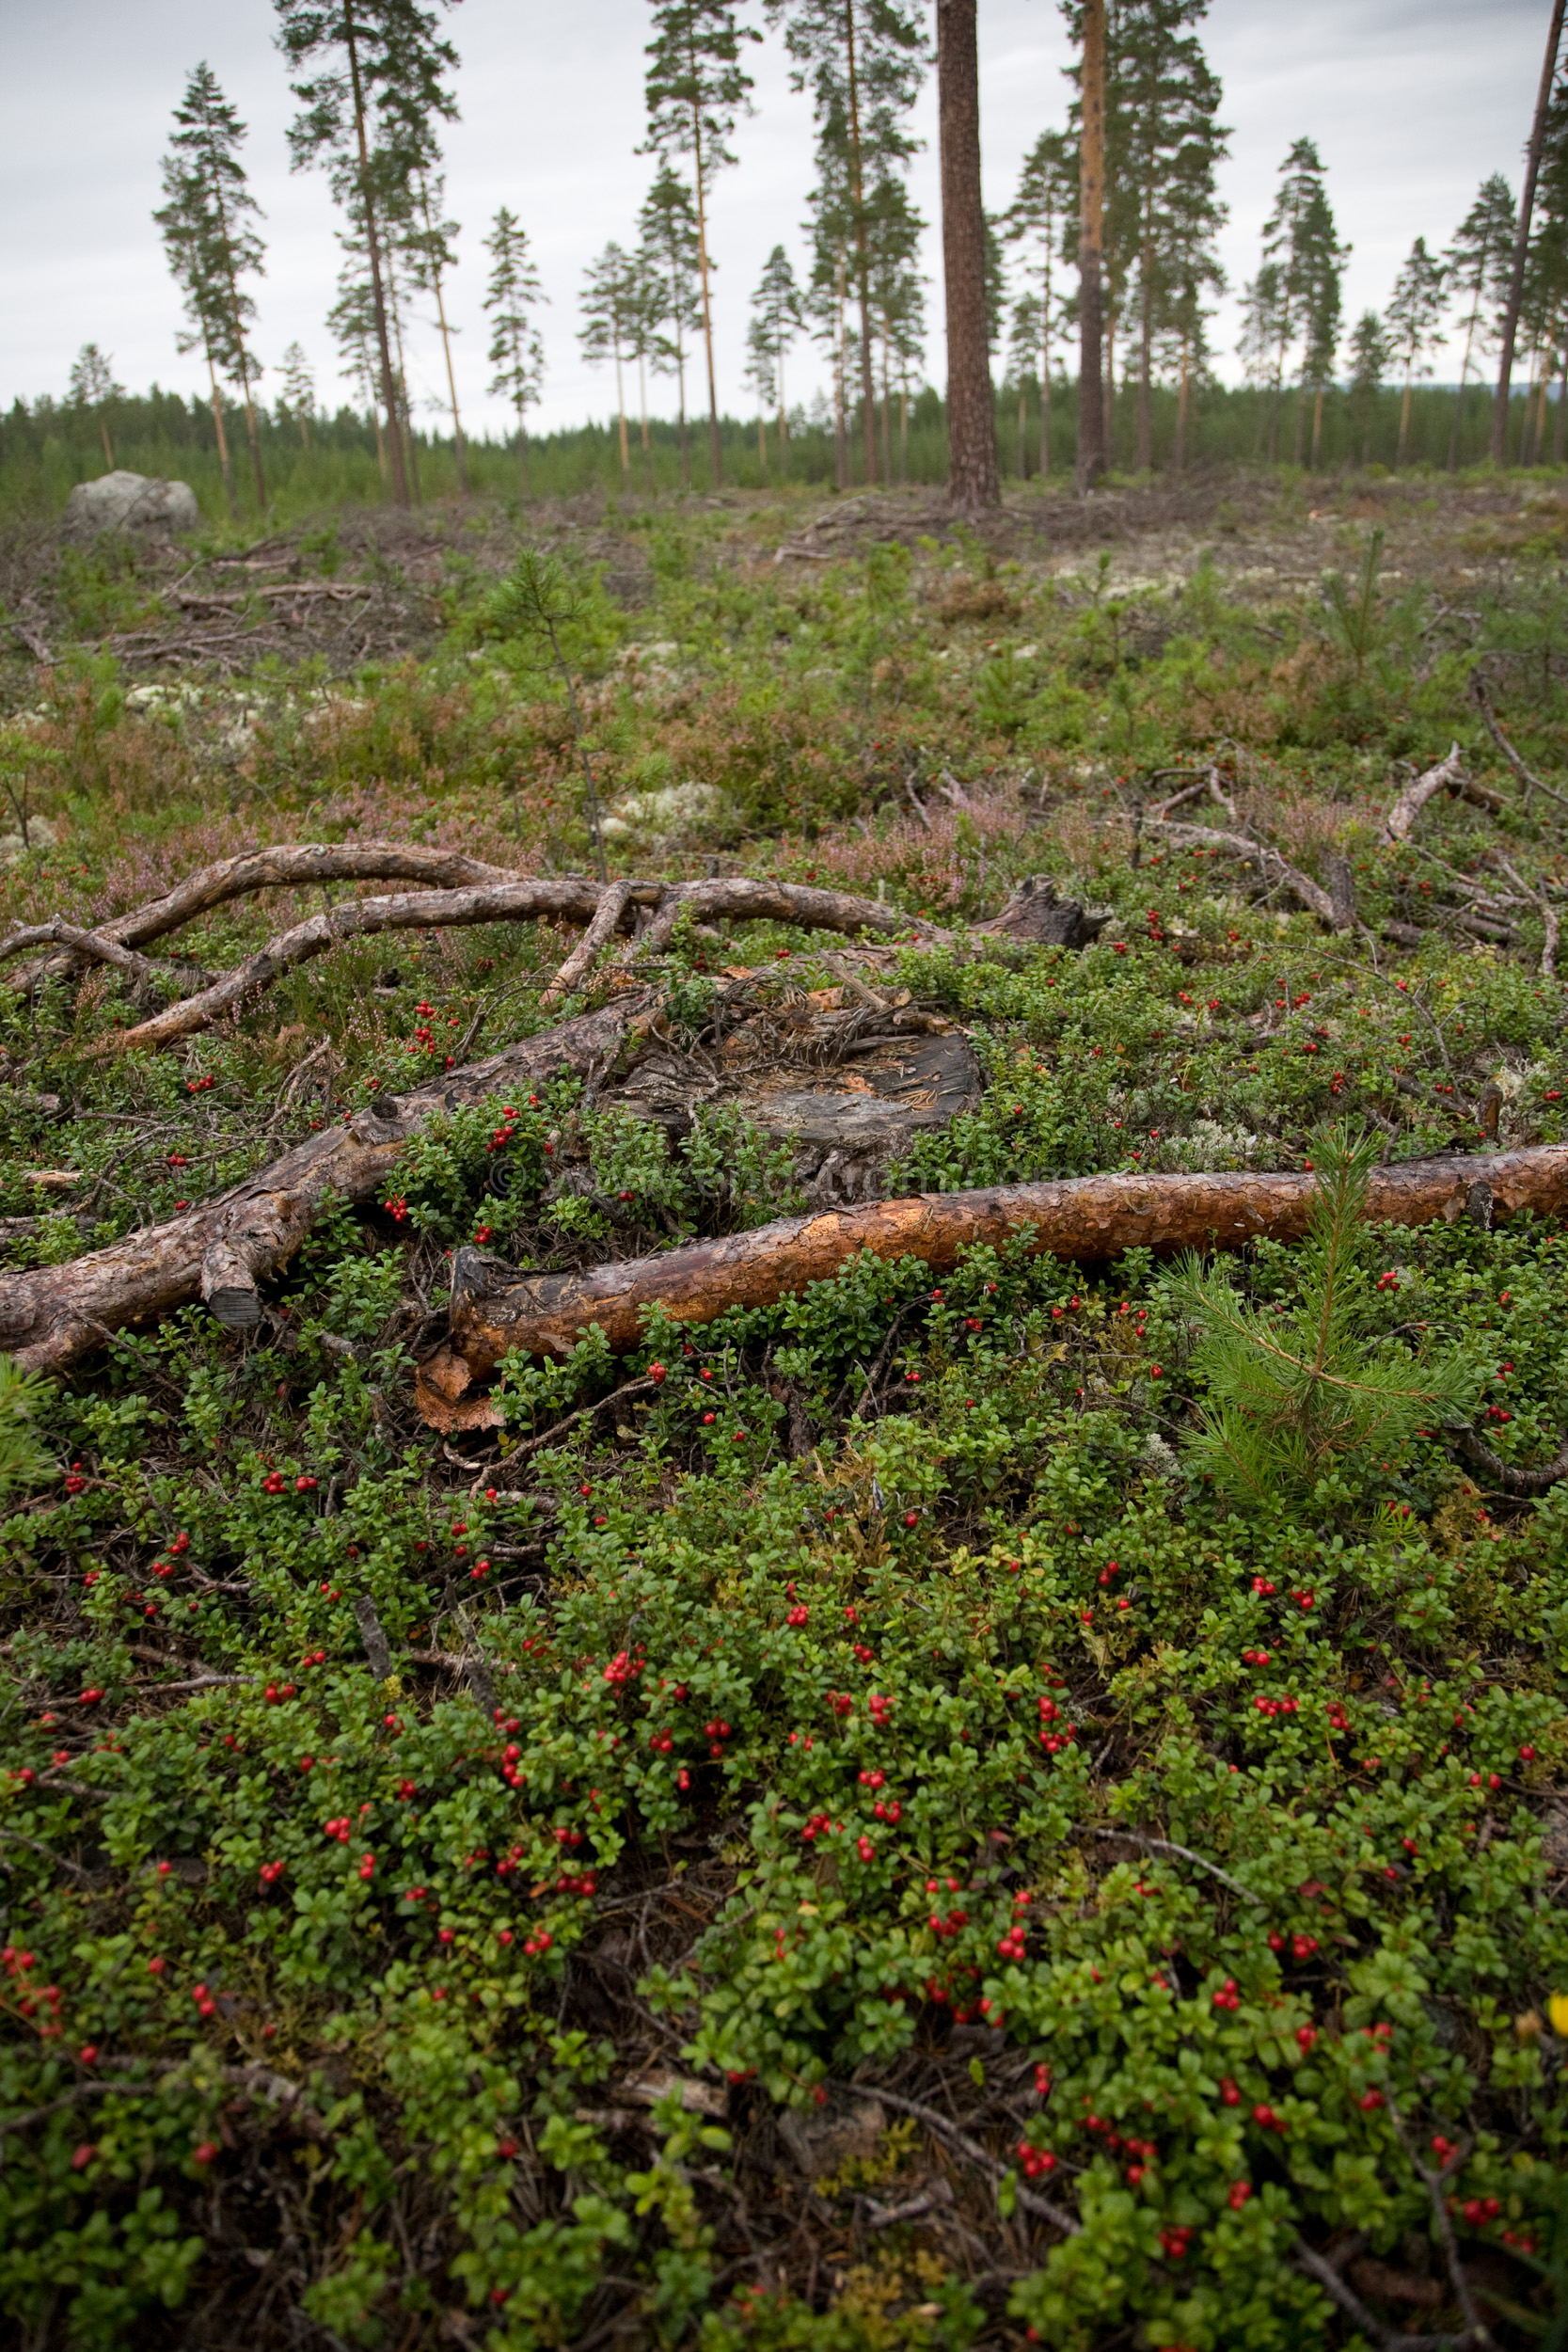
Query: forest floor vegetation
(1026, 1804)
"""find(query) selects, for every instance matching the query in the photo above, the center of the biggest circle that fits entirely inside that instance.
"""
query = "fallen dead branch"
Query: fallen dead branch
(460, 891)
(53, 1316)
(1081, 1219)
(1446, 776)
(1269, 863)
(1527, 776)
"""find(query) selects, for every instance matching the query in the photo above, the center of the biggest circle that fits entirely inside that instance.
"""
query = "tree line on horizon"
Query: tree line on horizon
(1110, 244)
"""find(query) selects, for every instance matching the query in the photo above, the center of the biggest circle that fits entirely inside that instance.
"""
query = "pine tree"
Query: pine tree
(609, 304)
(972, 484)
(898, 302)
(1476, 267)
(1522, 234)
(776, 320)
(1093, 448)
(1192, 273)
(761, 377)
(1322, 272)
(864, 62)
(370, 111)
(668, 225)
(1040, 216)
(429, 246)
(92, 386)
(1370, 356)
(1292, 239)
(516, 347)
(1545, 298)
(1024, 338)
(1302, 1406)
(207, 223)
(352, 323)
(1163, 105)
(1411, 319)
(299, 391)
(695, 88)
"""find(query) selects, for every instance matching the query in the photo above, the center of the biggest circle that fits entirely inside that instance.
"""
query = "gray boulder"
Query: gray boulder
(130, 501)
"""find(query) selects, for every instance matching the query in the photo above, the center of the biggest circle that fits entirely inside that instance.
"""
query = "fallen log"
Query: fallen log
(495, 1310)
(53, 1316)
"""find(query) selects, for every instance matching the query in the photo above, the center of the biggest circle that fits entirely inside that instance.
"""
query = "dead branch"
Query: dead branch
(1269, 862)
(1548, 916)
(1446, 776)
(1515, 1478)
(53, 1316)
(286, 866)
(1082, 1219)
(96, 948)
(512, 898)
(606, 917)
(1527, 776)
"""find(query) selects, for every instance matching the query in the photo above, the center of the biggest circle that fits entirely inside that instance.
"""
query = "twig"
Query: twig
(1433, 2183)
(1514, 1480)
(1548, 916)
(1167, 1845)
(1528, 778)
(629, 1388)
(98, 950)
(1270, 862)
(1041, 2207)
(15, 1837)
(606, 922)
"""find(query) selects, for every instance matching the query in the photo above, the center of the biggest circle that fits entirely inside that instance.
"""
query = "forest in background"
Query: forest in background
(1107, 253)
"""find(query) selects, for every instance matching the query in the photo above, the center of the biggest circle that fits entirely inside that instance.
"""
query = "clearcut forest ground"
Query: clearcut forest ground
(951, 1839)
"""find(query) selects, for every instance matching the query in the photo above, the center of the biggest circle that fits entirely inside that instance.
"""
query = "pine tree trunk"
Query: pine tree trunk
(841, 435)
(373, 247)
(1110, 384)
(1023, 451)
(223, 440)
(460, 452)
(887, 404)
(1316, 425)
(862, 264)
(1180, 454)
(972, 481)
(699, 180)
(621, 419)
(1521, 241)
(761, 444)
(784, 412)
(103, 437)
(1045, 384)
(528, 466)
(404, 413)
(1560, 423)
(1464, 375)
(1091, 207)
(1145, 349)
(1404, 424)
(904, 432)
(686, 444)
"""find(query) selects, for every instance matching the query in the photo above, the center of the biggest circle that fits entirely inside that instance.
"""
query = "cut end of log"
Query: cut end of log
(236, 1310)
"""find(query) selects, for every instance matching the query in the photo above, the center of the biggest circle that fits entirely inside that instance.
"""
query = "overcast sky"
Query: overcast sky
(1412, 103)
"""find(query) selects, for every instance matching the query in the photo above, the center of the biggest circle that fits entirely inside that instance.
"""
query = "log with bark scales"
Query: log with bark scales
(1082, 1219)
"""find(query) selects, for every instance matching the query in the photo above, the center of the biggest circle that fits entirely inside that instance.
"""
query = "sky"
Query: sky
(1412, 103)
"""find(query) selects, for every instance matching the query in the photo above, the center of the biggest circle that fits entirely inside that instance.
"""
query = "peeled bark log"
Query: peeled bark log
(1085, 1218)
(53, 1316)
(1446, 776)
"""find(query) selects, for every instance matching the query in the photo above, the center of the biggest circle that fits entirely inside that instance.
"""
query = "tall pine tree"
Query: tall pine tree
(668, 226)
(207, 221)
(972, 477)
(429, 250)
(371, 79)
(695, 88)
(1477, 268)
(864, 62)
(516, 347)
(776, 320)
(1413, 317)
(1041, 221)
